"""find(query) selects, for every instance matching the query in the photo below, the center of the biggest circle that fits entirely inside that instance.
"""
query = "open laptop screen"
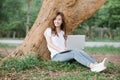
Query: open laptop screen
(76, 42)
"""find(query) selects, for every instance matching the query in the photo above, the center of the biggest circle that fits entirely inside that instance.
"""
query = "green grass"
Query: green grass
(11, 38)
(32, 62)
(7, 46)
(103, 39)
(103, 49)
(1, 56)
(37, 69)
(97, 39)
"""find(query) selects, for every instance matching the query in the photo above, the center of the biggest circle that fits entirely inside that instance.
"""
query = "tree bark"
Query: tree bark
(75, 12)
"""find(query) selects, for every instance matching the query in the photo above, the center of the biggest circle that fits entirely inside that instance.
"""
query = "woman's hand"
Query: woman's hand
(63, 49)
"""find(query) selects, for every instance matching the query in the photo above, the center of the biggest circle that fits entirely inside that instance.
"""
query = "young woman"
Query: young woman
(56, 43)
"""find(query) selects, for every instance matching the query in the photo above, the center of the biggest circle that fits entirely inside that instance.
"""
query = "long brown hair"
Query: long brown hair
(62, 27)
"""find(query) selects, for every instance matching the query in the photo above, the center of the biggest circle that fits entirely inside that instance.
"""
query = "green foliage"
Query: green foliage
(13, 19)
(1, 13)
(113, 16)
(35, 6)
(13, 16)
(106, 17)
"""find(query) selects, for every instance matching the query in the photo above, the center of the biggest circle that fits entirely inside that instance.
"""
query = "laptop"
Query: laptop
(76, 42)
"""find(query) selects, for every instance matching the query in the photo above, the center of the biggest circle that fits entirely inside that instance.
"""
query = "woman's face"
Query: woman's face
(58, 21)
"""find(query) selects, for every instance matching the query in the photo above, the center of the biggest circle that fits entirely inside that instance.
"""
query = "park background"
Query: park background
(18, 16)
(103, 25)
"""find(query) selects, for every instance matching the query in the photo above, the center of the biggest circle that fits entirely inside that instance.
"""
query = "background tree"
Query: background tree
(10, 22)
(28, 16)
(13, 17)
(102, 25)
(105, 22)
(35, 43)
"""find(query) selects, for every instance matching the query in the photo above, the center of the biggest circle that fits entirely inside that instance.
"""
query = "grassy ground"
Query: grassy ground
(34, 68)
(7, 46)
(103, 39)
(97, 39)
(103, 50)
(1, 56)
(11, 38)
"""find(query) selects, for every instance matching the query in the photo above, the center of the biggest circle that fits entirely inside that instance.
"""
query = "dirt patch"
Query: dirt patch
(6, 51)
(114, 58)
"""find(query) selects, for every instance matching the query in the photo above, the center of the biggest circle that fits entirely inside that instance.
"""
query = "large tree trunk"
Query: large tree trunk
(75, 11)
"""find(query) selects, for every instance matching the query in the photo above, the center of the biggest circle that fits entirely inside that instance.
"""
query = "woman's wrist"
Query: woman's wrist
(64, 49)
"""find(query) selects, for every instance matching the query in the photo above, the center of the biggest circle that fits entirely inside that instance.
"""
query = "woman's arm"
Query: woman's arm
(65, 37)
(50, 44)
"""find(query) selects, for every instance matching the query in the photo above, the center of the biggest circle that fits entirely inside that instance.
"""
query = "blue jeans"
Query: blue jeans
(79, 55)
